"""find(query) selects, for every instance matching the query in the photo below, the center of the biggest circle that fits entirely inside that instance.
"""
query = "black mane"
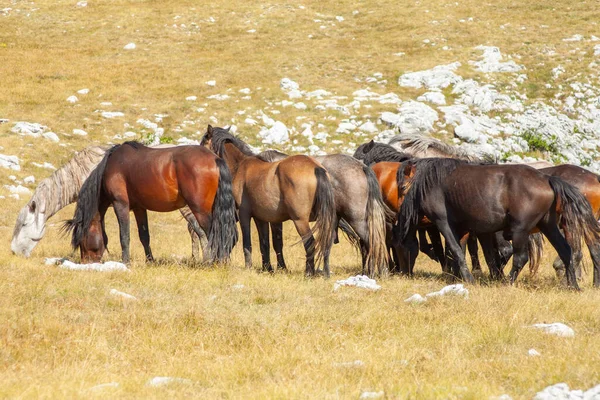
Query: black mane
(271, 155)
(220, 136)
(374, 152)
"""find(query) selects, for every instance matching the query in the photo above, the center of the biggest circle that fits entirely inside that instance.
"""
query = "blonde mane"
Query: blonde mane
(420, 146)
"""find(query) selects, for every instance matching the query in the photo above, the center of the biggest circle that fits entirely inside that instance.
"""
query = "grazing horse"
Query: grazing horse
(134, 177)
(360, 208)
(459, 198)
(588, 183)
(94, 242)
(296, 188)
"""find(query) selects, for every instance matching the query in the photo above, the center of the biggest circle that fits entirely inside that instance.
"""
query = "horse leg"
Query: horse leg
(277, 235)
(438, 248)
(454, 246)
(489, 245)
(122, 213)
(474, 253)
(263, 238)
(424, 245)
(563, 249)
(520, 244)
(141, 217)
(246, 237)
(308, 240)
(595, 254)
(505, 250)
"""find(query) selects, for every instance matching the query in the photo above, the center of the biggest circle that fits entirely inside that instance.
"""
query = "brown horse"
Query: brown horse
(94, 243)
(360, 209)
(296, 188)
(134, 177)
(460, 198)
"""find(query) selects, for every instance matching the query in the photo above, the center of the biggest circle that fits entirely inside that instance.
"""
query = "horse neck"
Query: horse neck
(233, 157)
(62, 187)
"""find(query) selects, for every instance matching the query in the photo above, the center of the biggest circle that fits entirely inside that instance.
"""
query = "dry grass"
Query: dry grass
(279, 336)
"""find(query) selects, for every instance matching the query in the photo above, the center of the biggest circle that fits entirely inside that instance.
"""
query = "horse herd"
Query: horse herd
(390, 204)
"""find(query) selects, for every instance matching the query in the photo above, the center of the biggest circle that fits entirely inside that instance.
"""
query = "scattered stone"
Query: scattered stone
(438, 77)
(416, 299)
(287, 85)
(561, 391)
(191, 98)
(371, 395)
(350, 364)
(433, 97)
(491, 61)
(557, 328)
(360, 281)
(29, 179)
(72, 99)
(108, 266)
(17, 189)
(53, 137)
(112, 114)
(29, 129)
(83, 91)
(574, 38)
(129, 46)
(10, 162)
(533, 353)
(81, 4)
(451, 290)
(276, 134)
(79, 132)
(159, 381)
(211, 83)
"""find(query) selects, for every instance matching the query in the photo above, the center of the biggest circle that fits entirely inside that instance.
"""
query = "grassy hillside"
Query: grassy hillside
(276, 336)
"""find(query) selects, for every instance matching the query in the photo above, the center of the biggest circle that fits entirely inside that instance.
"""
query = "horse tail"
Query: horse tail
(88, 201)
(325, 215)
(536, 250)
(223, 234)
(430, 173)
(377, 215)
(576, 212)
(349, 233)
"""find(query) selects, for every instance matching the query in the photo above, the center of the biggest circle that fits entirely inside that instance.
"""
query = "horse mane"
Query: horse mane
(384, 152)
(430, 173)
(271, 155)
(414, 144)
(220, 136)
(135, 144)
(62, 187)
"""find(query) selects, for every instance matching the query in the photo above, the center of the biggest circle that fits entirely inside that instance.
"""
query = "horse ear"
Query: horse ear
(209, 131)
(370, 146)
(32, 206)
(228, 128)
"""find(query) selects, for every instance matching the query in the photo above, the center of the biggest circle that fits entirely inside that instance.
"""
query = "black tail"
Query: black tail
(223, 233)
(88, 200)
(430, 173)
(377, 216)
(325, 215)
(576, 213)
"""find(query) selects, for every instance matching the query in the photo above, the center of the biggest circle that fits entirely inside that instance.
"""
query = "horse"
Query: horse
(94, 242)
(588, 183)
(51, 195)
(296, 188)
(61, 189)
(420, 146)
(134, 177)
(360, 209)
(459, 197)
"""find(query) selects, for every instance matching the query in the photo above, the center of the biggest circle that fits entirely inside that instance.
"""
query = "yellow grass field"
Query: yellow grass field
(229, 332)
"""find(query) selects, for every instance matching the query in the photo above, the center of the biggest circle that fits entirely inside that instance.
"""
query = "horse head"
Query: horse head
(29, 229)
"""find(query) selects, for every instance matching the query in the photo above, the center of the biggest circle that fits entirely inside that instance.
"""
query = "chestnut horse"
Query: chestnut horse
(134, 177)
(296, 188)
(460, 198)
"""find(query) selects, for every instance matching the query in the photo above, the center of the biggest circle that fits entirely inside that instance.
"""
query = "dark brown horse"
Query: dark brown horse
(459, 198)
(134, 177)
(360, 209)
(296, 188)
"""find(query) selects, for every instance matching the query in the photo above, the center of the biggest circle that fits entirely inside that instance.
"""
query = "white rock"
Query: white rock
(556, 328)
(159, 381)
(371, 395)
(112, 114)
(17, 189)
(116, 293)
(245, 91)
(287, 85)
(79, 132)
(238, 286)
(360, 281)
(319, 93)
(129, 46)
(250, 121)
(574, 38)
(533, 353)
(211, 83)
(219, 97)
(339, 18)
(414, 117)
(597, 50)
(294, 94)
(100, 267)
(81, 4)
(345, 127)
(72, 99)
(276, 134)
(29, 129)
(29, 179)
(433, 97)
(350, 364)
(491, 61)
(53, 137)
(438, 77)
(45, 165)
(83, 91)
(368, 127)
(10, 162)
(416, 299)
(300, 106)
(451, 290)
(191, 98)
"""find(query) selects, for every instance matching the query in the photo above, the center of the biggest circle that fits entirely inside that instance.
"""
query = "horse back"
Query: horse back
(586, 181)
(386, 173)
